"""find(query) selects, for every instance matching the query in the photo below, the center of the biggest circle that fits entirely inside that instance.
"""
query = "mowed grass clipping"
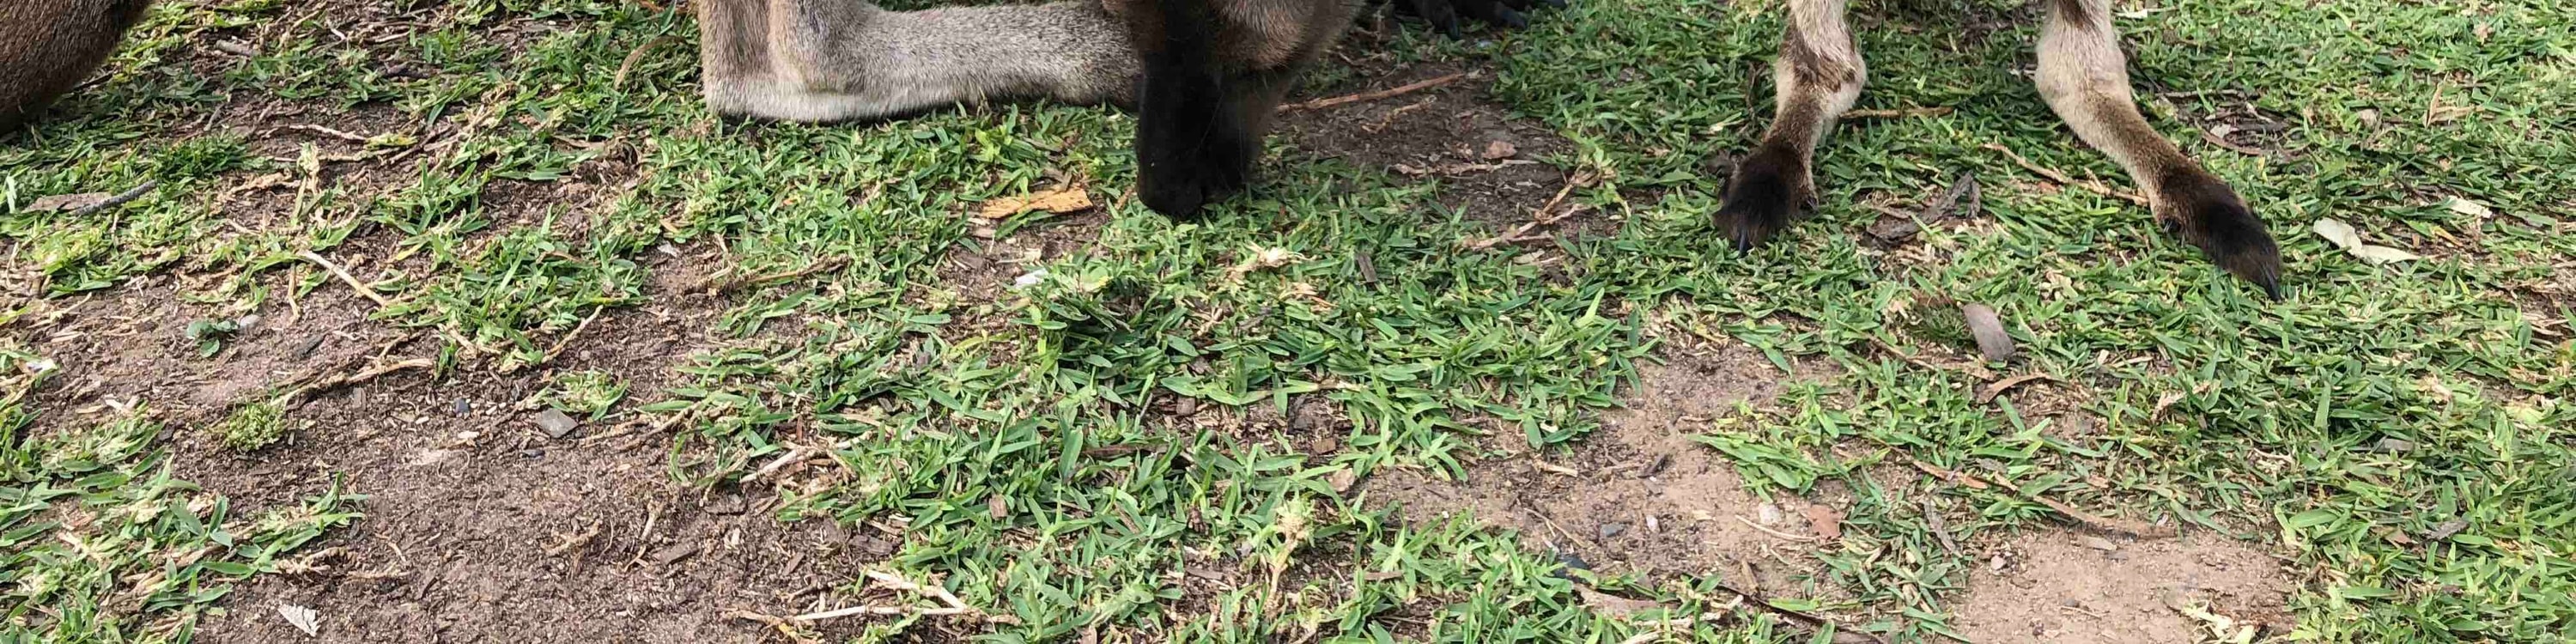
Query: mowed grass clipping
(544, 151)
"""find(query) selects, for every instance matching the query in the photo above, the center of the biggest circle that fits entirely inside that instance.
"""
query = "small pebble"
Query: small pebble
(1609, 530)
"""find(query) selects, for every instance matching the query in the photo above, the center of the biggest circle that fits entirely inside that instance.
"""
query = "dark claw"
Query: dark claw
(2210, 215)
(1768, 192)
(1553, 4)
(1510, 18)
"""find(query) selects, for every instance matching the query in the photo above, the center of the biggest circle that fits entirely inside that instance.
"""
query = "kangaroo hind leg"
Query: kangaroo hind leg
(1817, 77)
(2085, 79)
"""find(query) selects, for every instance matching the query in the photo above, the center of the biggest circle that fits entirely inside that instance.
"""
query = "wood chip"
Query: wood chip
(1059, 200)
(555, 423)
(2096, 543)
(675, 552)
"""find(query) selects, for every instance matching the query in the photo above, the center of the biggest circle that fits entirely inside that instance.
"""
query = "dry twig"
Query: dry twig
(950, 604)
(1811, 620)
(1909, 112)
(296, 398)
(345, 277)
(1546, 215)
(1407, 88)
(2089, 520)
(728, 287)
(2062, 179)
(120, 199)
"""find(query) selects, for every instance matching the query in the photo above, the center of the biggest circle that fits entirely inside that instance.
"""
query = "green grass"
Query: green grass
(2213, 406)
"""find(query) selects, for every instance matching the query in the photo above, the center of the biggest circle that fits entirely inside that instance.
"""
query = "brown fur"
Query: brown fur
(48, 46)
(2084, 78)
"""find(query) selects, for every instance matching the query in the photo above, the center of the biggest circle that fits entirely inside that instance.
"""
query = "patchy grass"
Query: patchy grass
(253, 426)
(514, 169)
(105, 545)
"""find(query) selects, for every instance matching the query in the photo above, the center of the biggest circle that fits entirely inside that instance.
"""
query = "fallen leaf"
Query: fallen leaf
(1613, 605)
(2445, 529)
(67, 203)
(2396, 537)
(2343, 236)
(2470, 208)
(303, 618)
(1058, 200)
(1988, 393)
(1988, 327)
(1265, 258)
(1824, 521)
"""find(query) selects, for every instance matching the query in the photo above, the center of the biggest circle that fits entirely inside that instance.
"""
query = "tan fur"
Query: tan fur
(2085, 79)
(48, 46)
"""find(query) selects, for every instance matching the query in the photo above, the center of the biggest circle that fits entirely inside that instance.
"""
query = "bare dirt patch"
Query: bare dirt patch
(479, 526)
(1488, 162)
(1640, 495)
(2054, 587)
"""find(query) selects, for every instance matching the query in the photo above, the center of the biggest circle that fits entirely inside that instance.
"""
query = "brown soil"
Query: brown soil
(1489, 163)
(469, 508)
(2053, 587)
(1642, 496)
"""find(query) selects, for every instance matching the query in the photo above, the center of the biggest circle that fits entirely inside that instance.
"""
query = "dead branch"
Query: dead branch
(628, 66)
(325, 131)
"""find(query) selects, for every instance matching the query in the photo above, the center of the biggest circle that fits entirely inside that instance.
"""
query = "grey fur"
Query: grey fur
(832, 60)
